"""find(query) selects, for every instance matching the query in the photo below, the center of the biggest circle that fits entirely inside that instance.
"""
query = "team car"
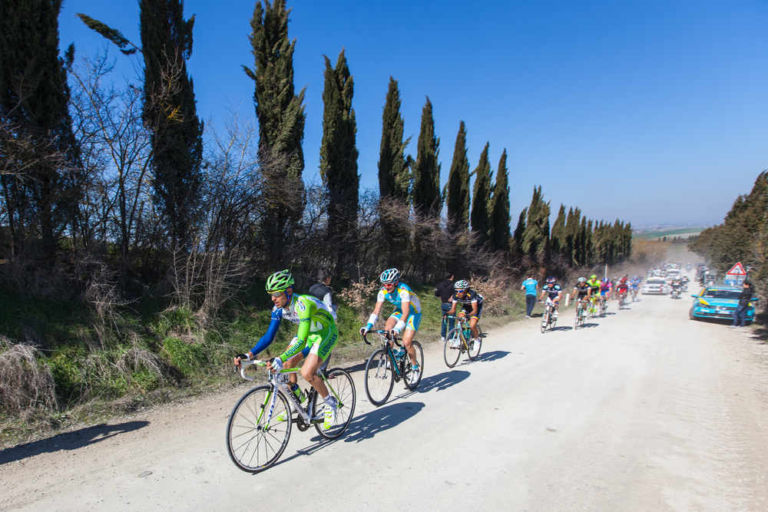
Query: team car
(655, 286)
(719, 302)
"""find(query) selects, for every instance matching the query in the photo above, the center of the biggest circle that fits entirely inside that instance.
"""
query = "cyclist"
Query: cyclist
(594, 287)
(634, 286)
(552, 292)
(622, 288)
(582, 290)
(605, 291)
(314, 340)
(407, 314)
(472, 304)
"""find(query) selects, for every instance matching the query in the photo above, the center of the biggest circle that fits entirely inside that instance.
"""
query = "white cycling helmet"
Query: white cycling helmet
(461, 285)
(389, 276)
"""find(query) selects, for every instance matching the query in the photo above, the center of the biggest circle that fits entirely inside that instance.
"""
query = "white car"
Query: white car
(655, 286)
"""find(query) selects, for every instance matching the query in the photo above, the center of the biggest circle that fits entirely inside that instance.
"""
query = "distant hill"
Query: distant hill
(657, 234)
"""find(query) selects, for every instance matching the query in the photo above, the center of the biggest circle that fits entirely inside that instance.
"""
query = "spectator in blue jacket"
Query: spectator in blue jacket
(531, 287)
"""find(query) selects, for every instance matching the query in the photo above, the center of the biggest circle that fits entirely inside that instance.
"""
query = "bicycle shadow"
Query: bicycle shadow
(378, 420)
(492, 356)
(562, 328)
(441, 381)
(69, 440)
(589, 325)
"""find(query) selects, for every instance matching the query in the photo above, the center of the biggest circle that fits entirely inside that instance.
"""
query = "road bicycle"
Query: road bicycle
(548, 319)
(581, 313)
(458, 341)
(594, 306)
(634, 294)
(259, 425)
(602, 305)
(622, 297)
(385, 366)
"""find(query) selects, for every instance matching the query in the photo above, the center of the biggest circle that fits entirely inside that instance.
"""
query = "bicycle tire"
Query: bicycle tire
(409, 380)
(344, 386)
(545, 322)
(244, 423)
(451, 354)
(473, 348)
(379, 377)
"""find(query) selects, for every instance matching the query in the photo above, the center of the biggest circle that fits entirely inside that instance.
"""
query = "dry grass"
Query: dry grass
(24, 382)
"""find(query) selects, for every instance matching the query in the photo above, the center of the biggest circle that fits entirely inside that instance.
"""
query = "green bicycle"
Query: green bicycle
(257, 430)
(457, 341)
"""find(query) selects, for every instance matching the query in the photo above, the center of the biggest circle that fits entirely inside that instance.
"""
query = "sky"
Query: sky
(649, 111)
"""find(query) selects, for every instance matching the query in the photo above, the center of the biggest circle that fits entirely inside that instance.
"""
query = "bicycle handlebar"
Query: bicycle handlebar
(390, 335)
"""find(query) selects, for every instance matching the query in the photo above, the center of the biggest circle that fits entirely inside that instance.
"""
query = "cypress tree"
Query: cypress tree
(558, 236)
(426, 170)
(536, 235)
(500, 217)
(170, 114)
(338, 159)
(43, 189)
(281, 117)
(457, 193)
(394, 172)
(572, 226)
(481, 198)
(517, 238)
(394, 179)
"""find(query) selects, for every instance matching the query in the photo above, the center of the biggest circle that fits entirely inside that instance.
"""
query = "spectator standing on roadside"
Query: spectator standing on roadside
(322, 290)
(444, 290)
(740, 313)
(531, 287)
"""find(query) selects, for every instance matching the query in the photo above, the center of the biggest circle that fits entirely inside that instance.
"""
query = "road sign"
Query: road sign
(737, 270)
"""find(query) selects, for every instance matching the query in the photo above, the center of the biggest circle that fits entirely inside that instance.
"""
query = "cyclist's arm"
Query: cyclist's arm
(376, 310)
(453, 307)
(474, 308)
(268, 336)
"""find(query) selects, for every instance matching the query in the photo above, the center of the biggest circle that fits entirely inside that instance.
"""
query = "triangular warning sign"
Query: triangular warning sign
(737, 270)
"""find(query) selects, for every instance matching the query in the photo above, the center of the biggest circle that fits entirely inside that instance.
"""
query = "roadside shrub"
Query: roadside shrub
(496, 293)
(143, 369)
(187, 357)
(177, 321)
(359, 296)
(25, 382)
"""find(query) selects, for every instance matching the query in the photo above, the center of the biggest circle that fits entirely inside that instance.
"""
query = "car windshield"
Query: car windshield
(721, 294)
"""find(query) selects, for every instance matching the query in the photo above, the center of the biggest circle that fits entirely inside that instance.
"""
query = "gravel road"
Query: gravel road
(642, 410)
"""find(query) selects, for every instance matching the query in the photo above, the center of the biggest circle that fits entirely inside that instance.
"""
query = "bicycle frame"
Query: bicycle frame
(387, 338)
(463, 325)
(278, 381)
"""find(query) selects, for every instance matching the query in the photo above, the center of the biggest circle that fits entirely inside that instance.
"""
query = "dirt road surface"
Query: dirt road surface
(642, 410)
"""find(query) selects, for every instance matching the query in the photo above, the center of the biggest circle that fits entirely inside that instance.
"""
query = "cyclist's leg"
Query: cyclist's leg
(473, 326)
(411, 326)
(321, 345)
(391, 321)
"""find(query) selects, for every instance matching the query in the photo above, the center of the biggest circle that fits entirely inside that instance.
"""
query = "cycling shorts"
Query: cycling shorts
(604, 292)
(412, 322)
(321, 345)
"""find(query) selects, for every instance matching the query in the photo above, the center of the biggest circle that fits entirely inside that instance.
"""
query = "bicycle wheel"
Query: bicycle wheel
(451, 353)
(252, 443)
(344, 390)
(412, 378)
(545, 321)
(379, 377)
(475, 346)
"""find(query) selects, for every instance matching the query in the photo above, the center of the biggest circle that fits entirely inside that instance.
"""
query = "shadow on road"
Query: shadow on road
(589, 325)
(561, 328)
(492, 356)
(441, 381)
(69, 440)
(378, 420)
